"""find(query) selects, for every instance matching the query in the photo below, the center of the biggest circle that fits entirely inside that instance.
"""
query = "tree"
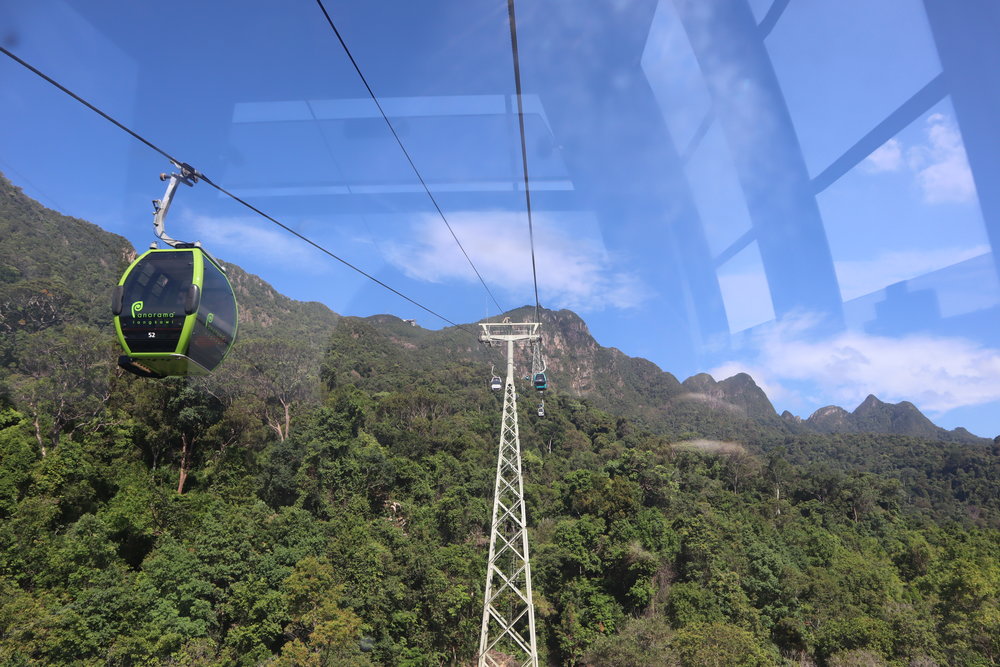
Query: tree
(17, 457)
(281, 374)
(62, 379)
(27, 307)
(740, 467)
(25, 624)
(720, 645)
(586, 614)
(176, 410)
(321, 631)
(850, 633)
(642, 641)
(777, 472)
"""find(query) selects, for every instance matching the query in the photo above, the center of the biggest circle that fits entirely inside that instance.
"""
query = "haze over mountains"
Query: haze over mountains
(42, 246)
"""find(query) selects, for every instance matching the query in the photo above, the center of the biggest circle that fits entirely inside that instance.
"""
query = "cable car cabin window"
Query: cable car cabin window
(153, 301)
(215, 327)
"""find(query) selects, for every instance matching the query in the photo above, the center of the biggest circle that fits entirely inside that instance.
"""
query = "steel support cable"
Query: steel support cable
(226, 192)
(339, 259)
(536, 356)
(524, 148)
(406, 153)
(88, 105)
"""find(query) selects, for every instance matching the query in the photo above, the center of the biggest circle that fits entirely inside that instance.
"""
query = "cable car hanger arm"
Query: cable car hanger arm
(188, 176)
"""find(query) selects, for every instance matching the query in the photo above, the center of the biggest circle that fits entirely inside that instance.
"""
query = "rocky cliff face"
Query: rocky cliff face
(639, 389)
(612, 380)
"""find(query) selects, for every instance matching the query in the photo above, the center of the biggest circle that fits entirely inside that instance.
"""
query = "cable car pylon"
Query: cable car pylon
(508, 629)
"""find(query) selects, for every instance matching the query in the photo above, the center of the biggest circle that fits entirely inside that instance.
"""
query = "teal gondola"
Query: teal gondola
(541, 384)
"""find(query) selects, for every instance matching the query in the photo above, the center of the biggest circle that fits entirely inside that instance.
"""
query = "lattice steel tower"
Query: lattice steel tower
(508, 630)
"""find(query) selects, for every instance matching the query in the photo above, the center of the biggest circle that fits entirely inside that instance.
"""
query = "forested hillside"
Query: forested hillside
(326, 502)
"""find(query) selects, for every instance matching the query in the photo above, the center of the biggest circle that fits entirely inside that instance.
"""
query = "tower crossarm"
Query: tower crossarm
(515, 332)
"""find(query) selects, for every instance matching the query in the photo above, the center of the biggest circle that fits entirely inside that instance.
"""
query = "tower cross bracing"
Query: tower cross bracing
(507, 636)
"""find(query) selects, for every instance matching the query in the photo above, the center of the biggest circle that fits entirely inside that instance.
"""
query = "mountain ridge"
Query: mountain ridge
(637, 388)
(44, 253)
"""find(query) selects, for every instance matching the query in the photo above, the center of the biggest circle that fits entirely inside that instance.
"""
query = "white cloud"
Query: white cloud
(935, 373)
(573, 272)
(674, 75)
(887, 157)
(859, 277)
(241, 237)
(941, 166)
(687, 71)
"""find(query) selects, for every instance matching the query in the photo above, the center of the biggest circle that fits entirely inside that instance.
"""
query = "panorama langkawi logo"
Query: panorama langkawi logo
(150, 319)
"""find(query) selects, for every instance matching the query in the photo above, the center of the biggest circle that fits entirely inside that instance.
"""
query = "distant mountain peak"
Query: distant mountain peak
(870, 402)
(739, 391)
(876, 416)
(829, 412)
(699, 382)
(831, 419)
(789, 417)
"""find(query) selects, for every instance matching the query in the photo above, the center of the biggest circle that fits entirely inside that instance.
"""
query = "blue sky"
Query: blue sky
(802, 190)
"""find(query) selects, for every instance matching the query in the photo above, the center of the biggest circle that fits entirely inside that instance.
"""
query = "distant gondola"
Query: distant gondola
(495, 383)
(175, 313)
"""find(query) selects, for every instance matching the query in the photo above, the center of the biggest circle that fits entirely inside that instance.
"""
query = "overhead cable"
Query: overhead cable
(524, 146)
(87, 104)
(406, 153)
(327, 252)
(221, 189)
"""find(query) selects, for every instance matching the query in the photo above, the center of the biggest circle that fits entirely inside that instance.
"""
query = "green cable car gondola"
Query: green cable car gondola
(175, 311)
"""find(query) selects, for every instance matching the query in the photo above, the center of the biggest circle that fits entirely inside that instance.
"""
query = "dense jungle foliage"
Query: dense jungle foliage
(326, 502)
